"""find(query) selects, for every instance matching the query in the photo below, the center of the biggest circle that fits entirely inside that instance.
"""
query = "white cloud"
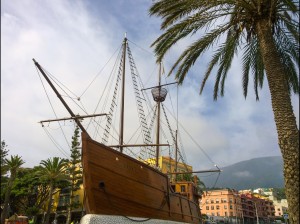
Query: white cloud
(73, 40)
(245, 174)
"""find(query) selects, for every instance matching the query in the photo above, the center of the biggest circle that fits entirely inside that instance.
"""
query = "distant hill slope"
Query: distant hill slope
(262, 172)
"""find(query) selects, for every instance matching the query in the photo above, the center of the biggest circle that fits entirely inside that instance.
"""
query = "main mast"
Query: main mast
(159, 94)
(123, 97)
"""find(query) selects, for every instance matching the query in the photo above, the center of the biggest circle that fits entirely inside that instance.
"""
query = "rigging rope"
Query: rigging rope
(52, 106)
(99, 73)
(139, 103)
(194, 141)
(56, 144)
(113, 104)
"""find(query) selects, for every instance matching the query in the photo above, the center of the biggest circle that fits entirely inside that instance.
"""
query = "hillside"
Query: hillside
(262, 172)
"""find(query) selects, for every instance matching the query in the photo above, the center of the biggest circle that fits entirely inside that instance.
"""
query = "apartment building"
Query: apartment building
(248, 207)
(257, 208)
(230, 206)
(267, 207)
(222, 205)
(280, 206)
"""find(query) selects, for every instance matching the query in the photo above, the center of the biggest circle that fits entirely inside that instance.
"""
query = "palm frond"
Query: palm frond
(186, 17)
(190, 55)
(175, 33)
(211, 65)
(247, 63)
(231, 43)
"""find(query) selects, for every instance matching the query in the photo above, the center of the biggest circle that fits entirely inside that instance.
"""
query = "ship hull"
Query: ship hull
(116, 184)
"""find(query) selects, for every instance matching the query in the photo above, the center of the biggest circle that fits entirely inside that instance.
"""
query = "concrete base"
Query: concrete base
(111, 219)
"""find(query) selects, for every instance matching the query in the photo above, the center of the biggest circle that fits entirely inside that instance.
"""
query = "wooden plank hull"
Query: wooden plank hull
(116, 184)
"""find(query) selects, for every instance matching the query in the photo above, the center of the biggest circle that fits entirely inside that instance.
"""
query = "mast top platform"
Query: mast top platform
(159, 94)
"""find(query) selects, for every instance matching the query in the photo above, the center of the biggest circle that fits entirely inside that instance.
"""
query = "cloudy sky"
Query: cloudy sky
(74, 39)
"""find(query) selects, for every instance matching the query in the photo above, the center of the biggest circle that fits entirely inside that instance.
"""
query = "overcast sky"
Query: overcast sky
(74, 39)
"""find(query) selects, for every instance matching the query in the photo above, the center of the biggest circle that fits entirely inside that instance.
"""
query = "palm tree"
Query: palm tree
(53, 171)
(13, 165)
(267, 34)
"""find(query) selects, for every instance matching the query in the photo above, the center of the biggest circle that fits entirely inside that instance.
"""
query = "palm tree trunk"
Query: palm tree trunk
(287, 130)
(49, 205)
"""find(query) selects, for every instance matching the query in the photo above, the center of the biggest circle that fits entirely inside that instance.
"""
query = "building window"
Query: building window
(218, 213)
(207, 201)
(230, 200)
(217, 207)
(212, 207)
(230, 206)
(231, 213)
(217, 200)
(207, 207)
(225, 213)
(182, 188)
(212, 214)
(212, 201)
(223, 200)
(225, 206)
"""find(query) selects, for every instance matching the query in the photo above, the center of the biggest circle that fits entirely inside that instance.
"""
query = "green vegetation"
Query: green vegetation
(13, 165)
(29, 190)
(53, 172)
(4, 153)
(74, 171)
(280, 193)
(266, 33)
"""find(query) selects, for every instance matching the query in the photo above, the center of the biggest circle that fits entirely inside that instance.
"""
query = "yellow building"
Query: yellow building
(168, 165)
(181, 183)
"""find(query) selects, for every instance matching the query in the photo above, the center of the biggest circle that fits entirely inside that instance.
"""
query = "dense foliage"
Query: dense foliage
(74, 171)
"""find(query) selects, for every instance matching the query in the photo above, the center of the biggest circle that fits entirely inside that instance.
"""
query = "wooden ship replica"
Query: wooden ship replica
(118, 184)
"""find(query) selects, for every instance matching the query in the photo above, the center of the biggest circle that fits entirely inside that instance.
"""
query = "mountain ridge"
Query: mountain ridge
(262, 172)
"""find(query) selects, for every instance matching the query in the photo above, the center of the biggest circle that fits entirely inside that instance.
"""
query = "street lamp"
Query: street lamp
(241, 210)
(257, 220)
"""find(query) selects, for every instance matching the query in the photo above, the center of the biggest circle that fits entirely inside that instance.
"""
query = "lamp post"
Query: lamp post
(257, 220)
(241, 210)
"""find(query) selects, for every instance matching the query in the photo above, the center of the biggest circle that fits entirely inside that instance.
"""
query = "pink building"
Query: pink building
(230, 206)
(222, 205)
